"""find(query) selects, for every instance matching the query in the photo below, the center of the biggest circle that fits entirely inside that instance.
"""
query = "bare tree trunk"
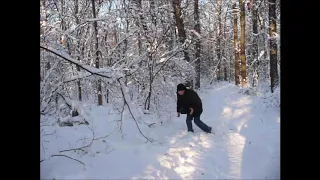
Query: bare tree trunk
(181, 32)
(63, 23)
(180, 25)
(230, 65)
(273, 45)
(211, 48)
(76, 11)
(43, 16)
(264, 65)
(172, 38)
(148, 100)
(153, 13)
(98, 53)
(243, 45)
(225, 65)
(219, 40)
(225, 70)
(43, 19)
(139, 7)
(125, 48)
(235, 42)
(197, 29)
(255, 50)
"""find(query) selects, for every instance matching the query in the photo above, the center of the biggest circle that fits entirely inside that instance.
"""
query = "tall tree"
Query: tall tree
(43, 16)
(98, 53)
(138, 23)
(274, 78)
(218, 47)
(243, 44)
(76, 15)
(225, 64)
(197, 29)
(255, 42)
(181, 32)
(236, 44)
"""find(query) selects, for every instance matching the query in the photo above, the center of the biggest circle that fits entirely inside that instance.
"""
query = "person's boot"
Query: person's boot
(191, 131)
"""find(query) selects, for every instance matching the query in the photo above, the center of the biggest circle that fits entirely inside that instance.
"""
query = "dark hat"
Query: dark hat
(181, 87)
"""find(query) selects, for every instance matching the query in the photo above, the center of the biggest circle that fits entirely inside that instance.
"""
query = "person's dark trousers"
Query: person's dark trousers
(198, 122)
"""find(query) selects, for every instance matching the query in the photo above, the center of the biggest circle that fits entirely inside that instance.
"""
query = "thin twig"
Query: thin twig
(80, 148)
(67, 157)
(125, 101)
(104, 136)
(110, 151)
(121, 118)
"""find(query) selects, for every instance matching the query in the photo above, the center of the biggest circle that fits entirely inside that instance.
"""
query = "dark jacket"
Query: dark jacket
(189, 99)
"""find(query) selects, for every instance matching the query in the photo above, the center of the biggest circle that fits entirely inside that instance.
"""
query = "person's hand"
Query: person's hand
(178, 114)
(191, 111)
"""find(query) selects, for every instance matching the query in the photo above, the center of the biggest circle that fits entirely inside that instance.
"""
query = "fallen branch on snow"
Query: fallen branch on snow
(62, 155)
(81, 148)
(68, 157)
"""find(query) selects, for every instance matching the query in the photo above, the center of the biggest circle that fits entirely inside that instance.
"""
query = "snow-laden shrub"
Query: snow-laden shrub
(264, 95)
(250, 91)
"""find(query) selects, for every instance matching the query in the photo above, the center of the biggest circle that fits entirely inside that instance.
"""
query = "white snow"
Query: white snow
(246, 143)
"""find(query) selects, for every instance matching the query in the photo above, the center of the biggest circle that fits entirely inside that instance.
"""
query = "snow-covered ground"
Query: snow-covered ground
(246, 143)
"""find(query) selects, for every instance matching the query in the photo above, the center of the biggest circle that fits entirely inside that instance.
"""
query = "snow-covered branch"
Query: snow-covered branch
(87, 68)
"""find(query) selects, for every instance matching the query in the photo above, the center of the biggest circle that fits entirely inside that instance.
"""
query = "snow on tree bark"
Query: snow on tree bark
(274, 77)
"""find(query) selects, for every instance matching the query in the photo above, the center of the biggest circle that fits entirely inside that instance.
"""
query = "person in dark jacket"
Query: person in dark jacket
(190, 103)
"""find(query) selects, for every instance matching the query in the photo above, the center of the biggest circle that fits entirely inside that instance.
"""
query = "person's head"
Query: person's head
(181, 89)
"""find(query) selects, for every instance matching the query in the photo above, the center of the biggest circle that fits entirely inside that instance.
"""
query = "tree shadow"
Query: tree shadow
(200, 155)
(242, 147)
(261, 152)
(252, 138)
(187, 158)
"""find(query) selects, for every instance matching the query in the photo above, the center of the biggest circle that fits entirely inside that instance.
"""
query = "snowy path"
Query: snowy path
(246, 145)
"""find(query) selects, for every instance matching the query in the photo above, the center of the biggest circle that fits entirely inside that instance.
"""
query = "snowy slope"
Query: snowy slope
(246, 143)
